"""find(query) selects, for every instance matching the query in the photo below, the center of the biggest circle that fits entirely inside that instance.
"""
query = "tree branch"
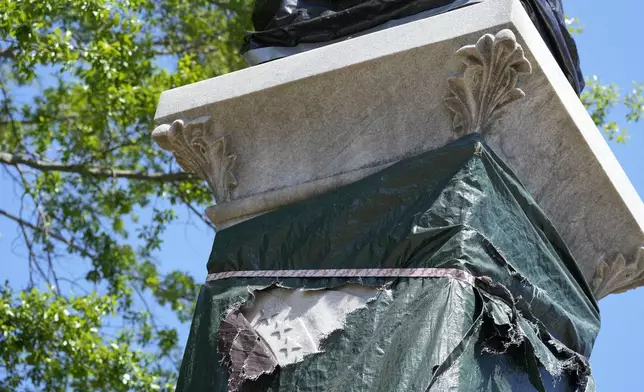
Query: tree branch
(7, 53)
(23, 223)
(192, 208)
(177, 51)
(6, 107)
(32, 254)
(94, 171)
(34, 122)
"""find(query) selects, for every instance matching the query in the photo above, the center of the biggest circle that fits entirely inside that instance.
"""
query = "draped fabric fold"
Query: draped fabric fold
(526, 320)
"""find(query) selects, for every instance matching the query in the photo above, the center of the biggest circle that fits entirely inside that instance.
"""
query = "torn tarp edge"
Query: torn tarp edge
(499, 327)
(246, 356)
(568, 361)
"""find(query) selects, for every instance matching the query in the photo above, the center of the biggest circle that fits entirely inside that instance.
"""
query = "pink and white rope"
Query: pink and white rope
(350, 273)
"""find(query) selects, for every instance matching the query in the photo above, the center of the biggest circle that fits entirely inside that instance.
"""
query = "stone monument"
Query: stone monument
(472, 106)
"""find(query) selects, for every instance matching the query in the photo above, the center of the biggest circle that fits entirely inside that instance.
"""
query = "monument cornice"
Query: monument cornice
(312, 122)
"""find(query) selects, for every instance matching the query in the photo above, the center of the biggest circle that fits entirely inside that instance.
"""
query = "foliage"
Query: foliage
(573, 24)
(600, 100)
(79, 152)
(79, 82)
(52, 343)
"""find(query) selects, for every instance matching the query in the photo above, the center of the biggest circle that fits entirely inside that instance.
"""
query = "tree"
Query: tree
(79, 151)
(600, 100)
(80, 154)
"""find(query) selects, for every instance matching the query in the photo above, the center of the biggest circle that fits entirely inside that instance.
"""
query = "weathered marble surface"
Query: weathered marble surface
(299, 126)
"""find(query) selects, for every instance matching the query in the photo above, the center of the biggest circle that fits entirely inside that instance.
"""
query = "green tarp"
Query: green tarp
(527, 320)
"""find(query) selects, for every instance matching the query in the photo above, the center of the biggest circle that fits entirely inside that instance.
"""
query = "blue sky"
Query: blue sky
(610, 47)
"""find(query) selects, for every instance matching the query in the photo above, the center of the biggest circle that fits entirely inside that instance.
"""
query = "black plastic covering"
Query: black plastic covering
(292, 22)
(528, 322)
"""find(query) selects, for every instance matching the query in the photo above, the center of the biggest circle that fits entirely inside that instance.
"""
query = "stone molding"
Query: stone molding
(617, 275)
(310, 123)
(492, 68)
(199, 151)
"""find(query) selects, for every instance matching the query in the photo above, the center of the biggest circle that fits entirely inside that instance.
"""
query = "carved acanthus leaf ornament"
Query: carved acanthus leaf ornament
(488, 84)
(198, 151)
(619, 275)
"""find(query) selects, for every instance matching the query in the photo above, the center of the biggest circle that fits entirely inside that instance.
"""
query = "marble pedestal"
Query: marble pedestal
(283, 131)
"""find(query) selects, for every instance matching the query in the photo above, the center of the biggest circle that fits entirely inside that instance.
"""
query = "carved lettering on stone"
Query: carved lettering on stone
(488, 84)
(618, 275)
(199, 151)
